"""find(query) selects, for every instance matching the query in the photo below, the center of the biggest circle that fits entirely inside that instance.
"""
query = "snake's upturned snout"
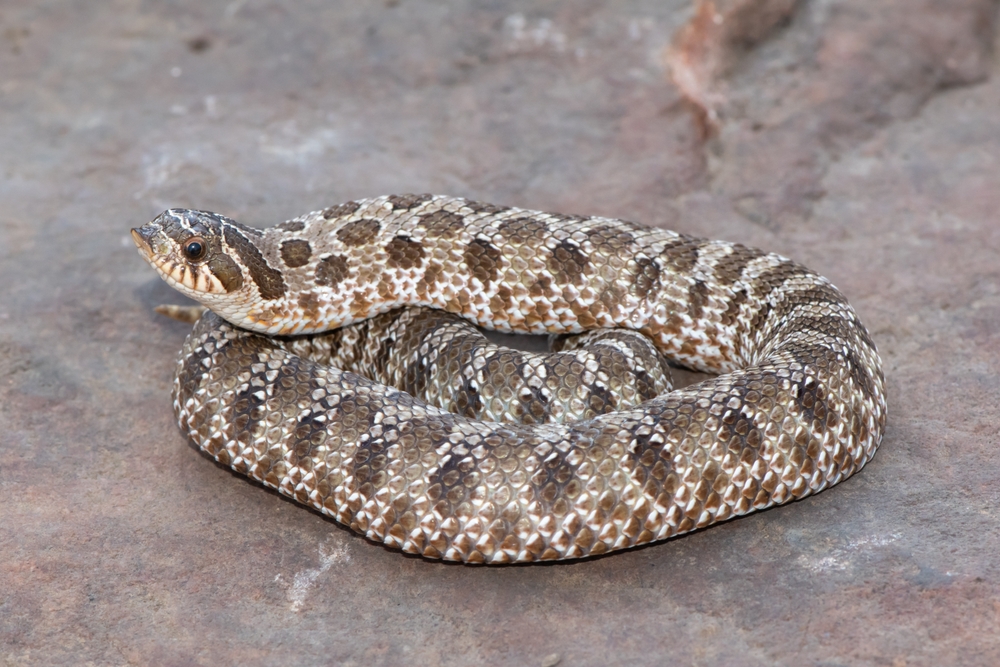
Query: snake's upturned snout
(141, 236)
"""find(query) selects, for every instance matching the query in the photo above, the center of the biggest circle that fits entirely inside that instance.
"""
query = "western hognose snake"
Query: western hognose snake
(799, 404)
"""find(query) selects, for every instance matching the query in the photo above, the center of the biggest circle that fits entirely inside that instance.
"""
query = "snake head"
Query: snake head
(187, 248)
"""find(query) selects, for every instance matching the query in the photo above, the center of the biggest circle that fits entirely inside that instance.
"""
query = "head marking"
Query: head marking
(189, 250)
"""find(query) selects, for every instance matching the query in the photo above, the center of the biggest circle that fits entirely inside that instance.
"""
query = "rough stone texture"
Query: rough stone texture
(840, 72)
(863, 141)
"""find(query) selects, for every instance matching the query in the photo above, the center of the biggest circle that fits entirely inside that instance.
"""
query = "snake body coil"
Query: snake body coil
(799, 404)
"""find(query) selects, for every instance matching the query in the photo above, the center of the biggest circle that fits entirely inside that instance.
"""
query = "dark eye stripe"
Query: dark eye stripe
(269, 281)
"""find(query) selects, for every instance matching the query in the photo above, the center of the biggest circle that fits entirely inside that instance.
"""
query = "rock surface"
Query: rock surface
(863, 141)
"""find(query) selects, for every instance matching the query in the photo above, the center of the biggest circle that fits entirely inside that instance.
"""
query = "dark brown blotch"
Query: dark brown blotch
(404, 253)
(600, 401)
(443, 224)
(331, 270)
(309, 432)
(733, 306)
(248, 404)
(774, 277)
(647, 454)
(681, 254)
(567, 258)
(295, 253)
(359, 232)
(416, 377)
(361, 306)
(523, 229)
(605, 236)
(810, 399)
(485, 209)
(269, 282)
(563, 219)
(382, 356)
(697, 299)
(647, 277)
(729, 269)
(483, 260)
(309, 303)
(467, 401)
(291, 226)
(432, 274)
(533, 406)
(406, 202)
(541, 287)
(836, 326)
(818, 295)
(341, 210)
(552, 476)
(861, 376)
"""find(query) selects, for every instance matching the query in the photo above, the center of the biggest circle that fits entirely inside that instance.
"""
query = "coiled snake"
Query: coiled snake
(799, 404)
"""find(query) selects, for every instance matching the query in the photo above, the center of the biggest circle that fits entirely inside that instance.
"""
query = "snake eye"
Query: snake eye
(194, 249)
